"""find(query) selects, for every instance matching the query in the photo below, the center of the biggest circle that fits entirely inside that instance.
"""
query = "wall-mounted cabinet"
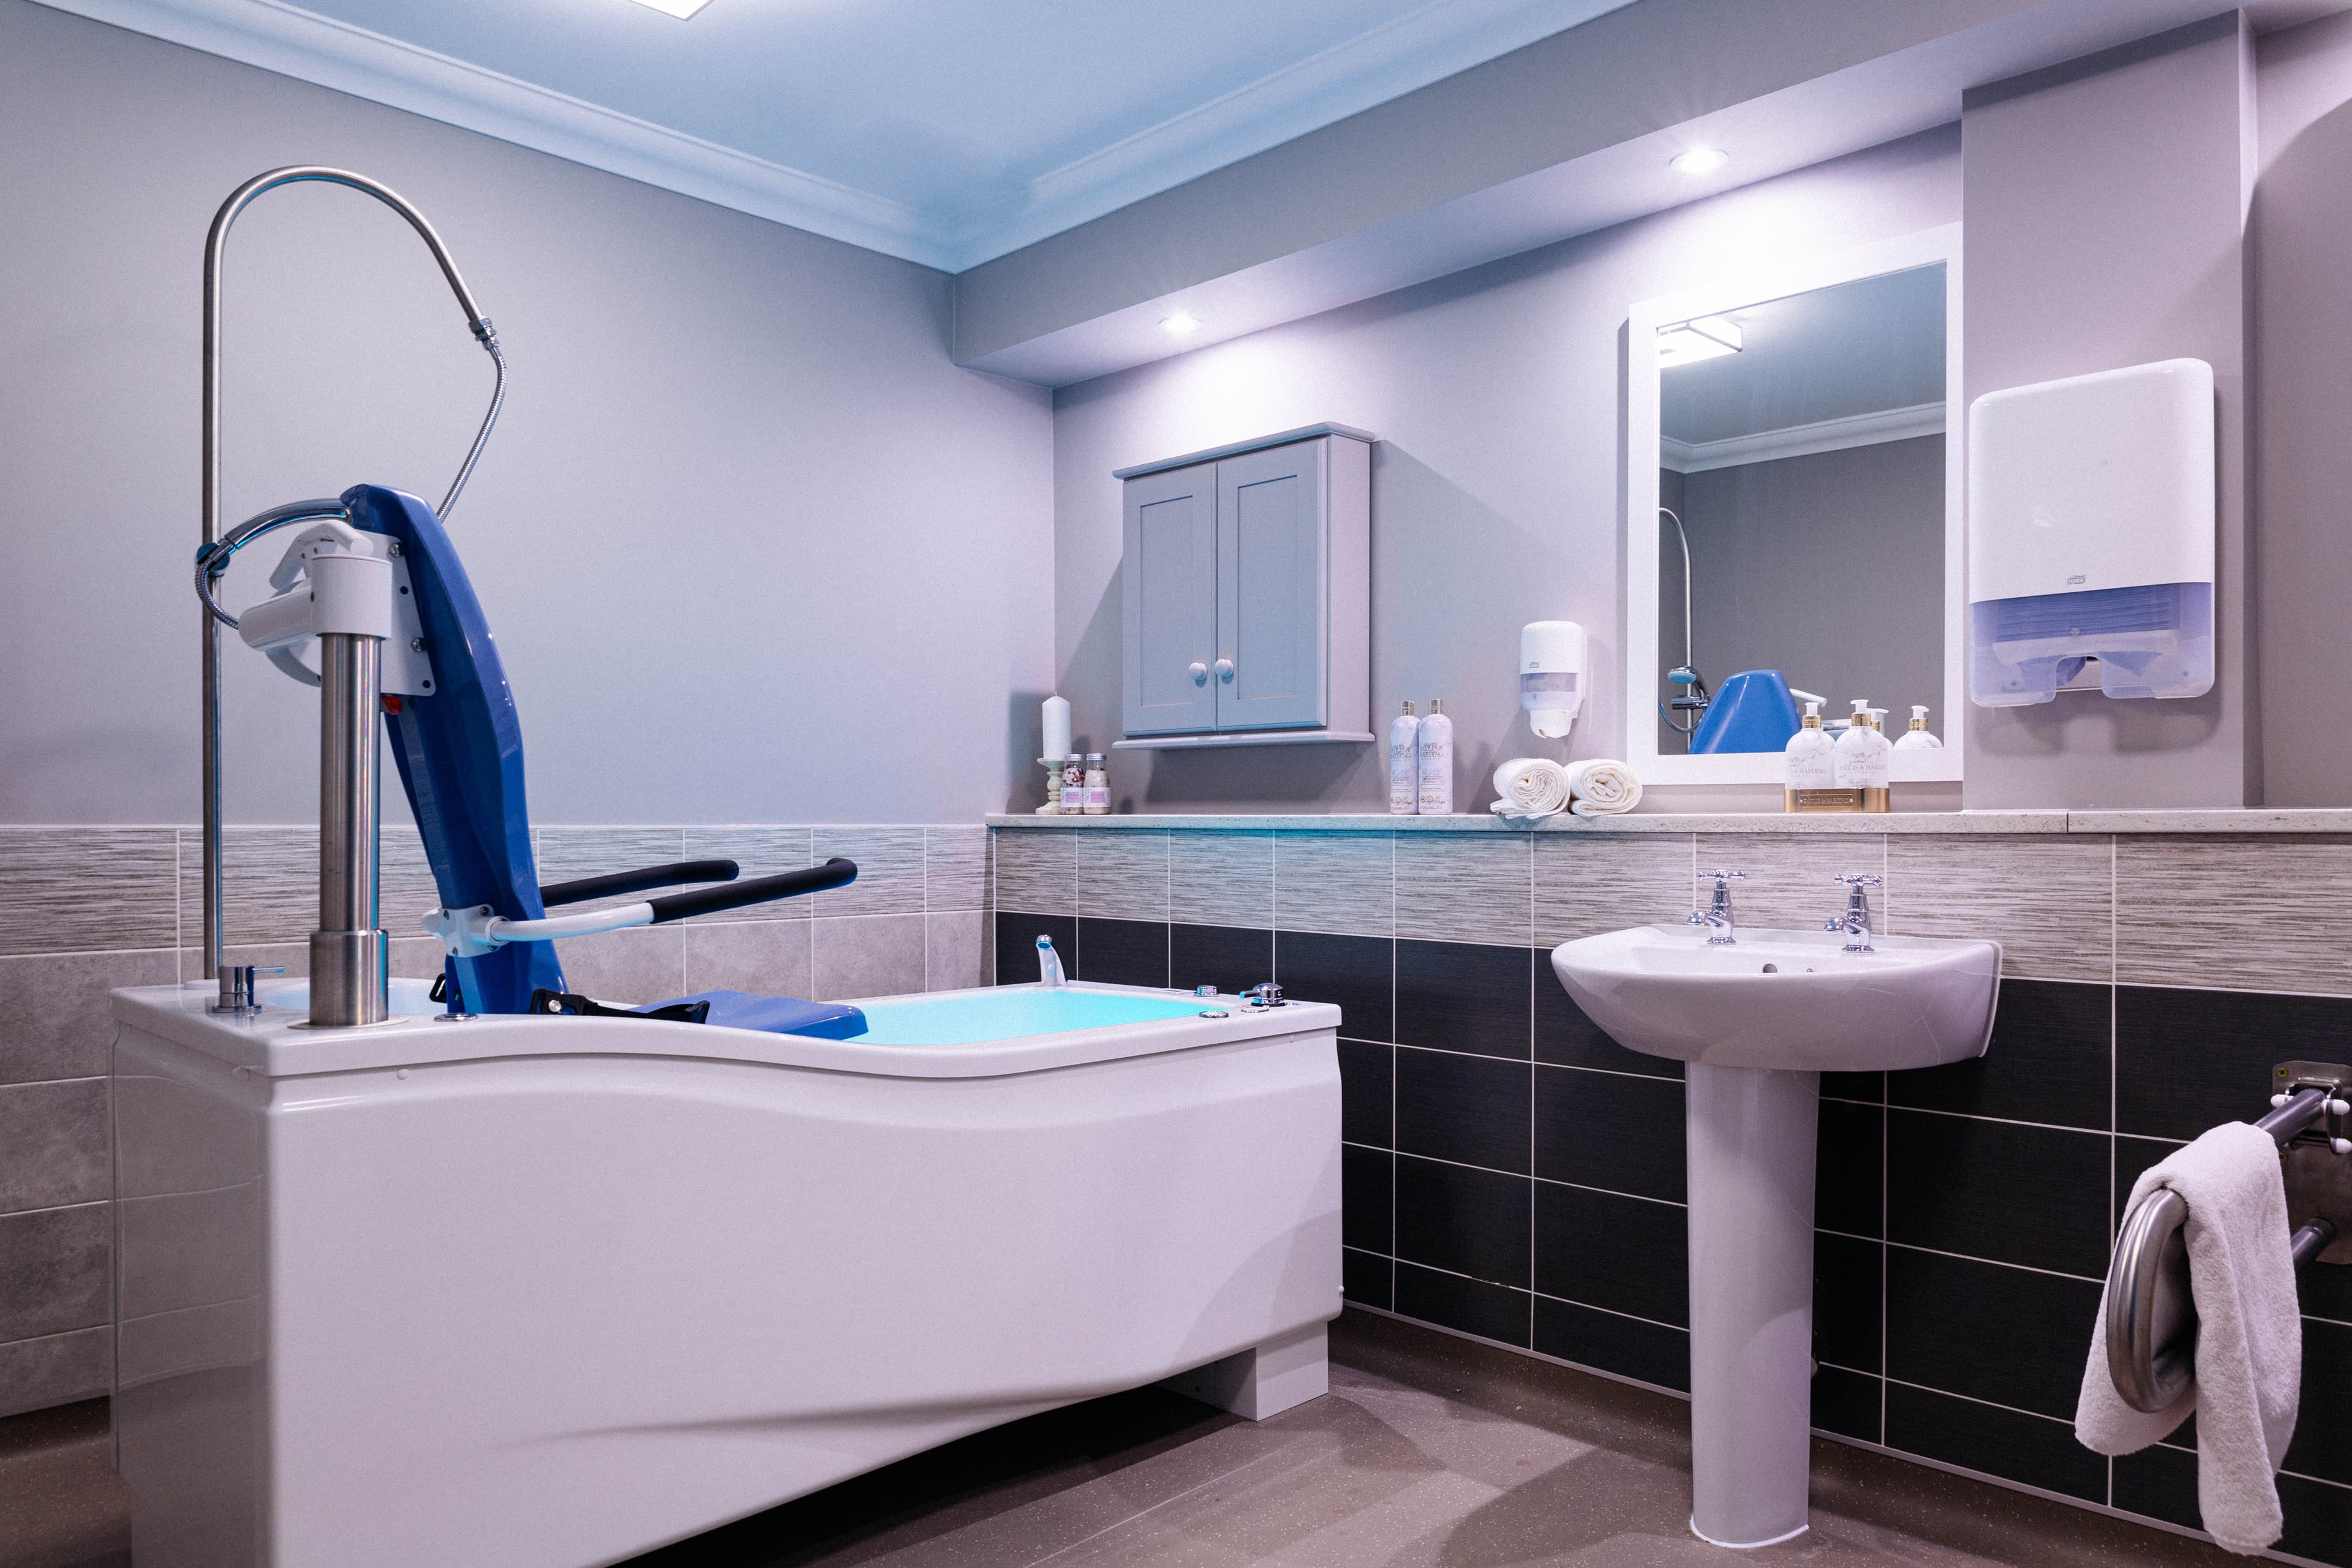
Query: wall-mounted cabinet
(1247, 593)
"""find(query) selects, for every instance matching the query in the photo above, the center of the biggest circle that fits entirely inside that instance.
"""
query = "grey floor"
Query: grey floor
(1430, 1452)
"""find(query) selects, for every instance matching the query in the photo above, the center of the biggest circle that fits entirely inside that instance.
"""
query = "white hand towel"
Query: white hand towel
(1603, 787)
(2249, 1336)
(1531, 786)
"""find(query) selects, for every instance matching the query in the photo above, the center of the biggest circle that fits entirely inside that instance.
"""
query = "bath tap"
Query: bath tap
(1049, 962)
(1716, 916)
(1855, 921)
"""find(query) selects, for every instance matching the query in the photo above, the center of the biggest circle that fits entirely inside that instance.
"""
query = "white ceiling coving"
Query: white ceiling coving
(942, 130)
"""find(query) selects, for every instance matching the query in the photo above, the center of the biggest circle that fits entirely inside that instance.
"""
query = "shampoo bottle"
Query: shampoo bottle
(1808, 765)
(1916, 739)
(1404, 763)
(1435, 795)
(1860, 758)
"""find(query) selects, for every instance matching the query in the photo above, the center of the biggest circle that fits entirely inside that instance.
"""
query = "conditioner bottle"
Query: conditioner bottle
(1435, 795)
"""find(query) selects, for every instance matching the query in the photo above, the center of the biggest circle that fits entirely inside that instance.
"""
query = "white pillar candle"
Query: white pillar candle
(1058, 727)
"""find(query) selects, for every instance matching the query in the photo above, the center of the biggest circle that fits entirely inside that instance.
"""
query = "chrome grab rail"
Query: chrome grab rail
(2151, 1316)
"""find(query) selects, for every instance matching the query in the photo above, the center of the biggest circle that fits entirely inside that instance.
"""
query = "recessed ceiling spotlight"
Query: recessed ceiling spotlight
(1696, 161)
(681, 9)
(1181, 323)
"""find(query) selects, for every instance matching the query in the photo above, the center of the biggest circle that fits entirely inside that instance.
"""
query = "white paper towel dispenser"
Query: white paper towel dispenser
(2091, 525)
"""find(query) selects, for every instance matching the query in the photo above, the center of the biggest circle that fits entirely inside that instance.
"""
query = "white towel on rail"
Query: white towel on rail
(2249, 1335)
(1603, 787)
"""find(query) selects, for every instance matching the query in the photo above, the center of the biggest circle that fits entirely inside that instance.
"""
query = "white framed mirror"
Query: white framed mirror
(1793, 510)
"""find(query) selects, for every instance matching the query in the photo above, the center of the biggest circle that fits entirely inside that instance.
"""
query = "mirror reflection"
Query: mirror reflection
(1801, 529)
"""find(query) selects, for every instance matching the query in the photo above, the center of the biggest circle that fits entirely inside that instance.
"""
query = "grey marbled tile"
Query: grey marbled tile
(1214, 879)
(955, 867)
(642, 964)
(54, 1141)
(53, 1021)
(569, 854)
(2046, 897)
(1465, 888)
(55, 1273)
(766, 958)
(1123, 876)
(1788, 884)
(87, 890)
(1037, 873)
(269, 885)
(757, 852)
(955, 950)
(889, 872)
(1342, 882)
(406, 890)
(1593, 883)
(868, 955)
(2182, 906)
(56, 1369)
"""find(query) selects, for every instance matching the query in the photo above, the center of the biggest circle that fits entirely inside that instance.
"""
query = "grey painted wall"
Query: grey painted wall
(2106, 206)
(754, 549)
(1498, 491)
(1828, 567)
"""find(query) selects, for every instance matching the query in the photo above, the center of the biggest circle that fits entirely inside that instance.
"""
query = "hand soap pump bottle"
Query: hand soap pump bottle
(1861, 760)
(1404, 763)
(1436, 797)
(1916, 739)
(1808, 770)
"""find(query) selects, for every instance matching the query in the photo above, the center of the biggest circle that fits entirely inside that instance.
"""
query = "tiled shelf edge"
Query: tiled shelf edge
(2254, 820)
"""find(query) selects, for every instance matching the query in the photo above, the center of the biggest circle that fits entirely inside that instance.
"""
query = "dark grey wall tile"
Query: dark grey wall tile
(1342, 882)
(1367, 1198)
(1355, 974)
(1624, 1255)
(1232, 959)
(1367, 1093)
(757, 852)
(1849, 1189)
(1565, 1036)
(1610, 1130)
(2050, 1060)
(53, 1009)
(1221, 878)
(1491, 1311)
(56, 1369)
(889, 870)
(1626, 1346)
(1038, 870)
(1847, 1316)
(1366, 1278)
(1586, 884)
(955, 869)
(1016, 945)
(2008, 1336)
(2028, 1449)
(1470, 1109)
(1460, 996)
(1470, 1222)
(2031, 1195)
(2188, 1059)
(865, 956)
(1123, 876)
(1122, 953)
(54, 1143)
(2186, 900)
(2046, 897)
(1459, 886)
(2160, 1482)
(85, 889)
(54, 1270)
(1847, 1402)
(2323, 1438)
(2318, 1520)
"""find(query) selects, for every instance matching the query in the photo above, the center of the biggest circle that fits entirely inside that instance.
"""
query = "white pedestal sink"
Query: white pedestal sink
(1758, 1021)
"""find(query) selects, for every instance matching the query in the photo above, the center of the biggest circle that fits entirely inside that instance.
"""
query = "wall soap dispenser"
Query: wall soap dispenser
(2091, 526)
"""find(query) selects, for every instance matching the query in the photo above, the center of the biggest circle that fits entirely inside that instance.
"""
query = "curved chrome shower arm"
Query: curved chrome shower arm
(211, 558)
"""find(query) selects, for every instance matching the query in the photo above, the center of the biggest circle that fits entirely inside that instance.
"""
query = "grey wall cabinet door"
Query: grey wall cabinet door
(1170, 598)
(1273, 600)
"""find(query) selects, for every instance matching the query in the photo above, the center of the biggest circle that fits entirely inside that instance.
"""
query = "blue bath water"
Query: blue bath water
(1012, 1013)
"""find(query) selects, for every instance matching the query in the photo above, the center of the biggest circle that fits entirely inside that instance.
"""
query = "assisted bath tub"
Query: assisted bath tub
(553, 1291)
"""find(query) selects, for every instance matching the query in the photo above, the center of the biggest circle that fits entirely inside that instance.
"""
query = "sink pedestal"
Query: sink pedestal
(1751, 1135)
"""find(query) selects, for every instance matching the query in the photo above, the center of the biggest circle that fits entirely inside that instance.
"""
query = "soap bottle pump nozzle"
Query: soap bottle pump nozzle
(1813, 715)
(1918, 715)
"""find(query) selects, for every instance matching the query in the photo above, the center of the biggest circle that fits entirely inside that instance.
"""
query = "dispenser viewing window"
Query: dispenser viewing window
(2091, 525)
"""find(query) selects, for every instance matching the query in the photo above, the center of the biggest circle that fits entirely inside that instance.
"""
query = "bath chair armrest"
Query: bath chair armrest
(837, 872)
(613, 884)
(470, 932)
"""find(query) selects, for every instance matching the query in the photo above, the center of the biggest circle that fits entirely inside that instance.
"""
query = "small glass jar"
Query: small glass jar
(1098, 796)
(1074, 786)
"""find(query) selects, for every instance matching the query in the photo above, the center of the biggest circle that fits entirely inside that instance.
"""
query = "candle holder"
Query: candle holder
(1052, 766)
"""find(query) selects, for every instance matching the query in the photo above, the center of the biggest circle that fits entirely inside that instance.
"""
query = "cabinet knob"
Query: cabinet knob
(1200, 673)
(1225, 670)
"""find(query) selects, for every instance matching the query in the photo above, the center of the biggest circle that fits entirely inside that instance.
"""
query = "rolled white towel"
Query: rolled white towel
(1531, 786)
(1603, 787)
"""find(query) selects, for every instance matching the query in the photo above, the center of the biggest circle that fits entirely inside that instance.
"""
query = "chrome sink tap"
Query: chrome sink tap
(1855, 921)
(1716, 916)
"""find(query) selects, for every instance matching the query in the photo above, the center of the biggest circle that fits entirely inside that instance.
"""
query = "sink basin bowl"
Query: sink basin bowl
(1786, 999)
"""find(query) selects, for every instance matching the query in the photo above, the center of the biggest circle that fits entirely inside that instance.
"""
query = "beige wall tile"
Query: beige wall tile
(1588, 884)
(766, 958)
(53, 1010)
(2236, 913)
(84, 889)
(1464, 888)
(889, 872)
(955, 867)
(1342, 882)
(759, 851)
(643, 964)
(1218, 878)
(2044, 897)
(54, 1139)
(955, 950)
(270, 885)
(1037, 871)
(868, 955)
(1788, 885)
(1123, 876)
(568, 854)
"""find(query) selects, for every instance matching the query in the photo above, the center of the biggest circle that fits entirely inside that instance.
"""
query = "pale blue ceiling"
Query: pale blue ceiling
(990, 123)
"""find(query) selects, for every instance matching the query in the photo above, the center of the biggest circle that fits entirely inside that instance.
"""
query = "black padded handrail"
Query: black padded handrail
(613, 884)
(835, 873)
